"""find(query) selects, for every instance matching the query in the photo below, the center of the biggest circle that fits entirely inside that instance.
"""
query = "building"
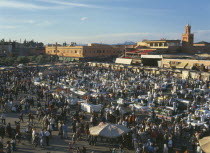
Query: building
(8, 48)
(92, 51)
(5, 48)
(147, 47)
(187, 39)
(188, 45)
(161, 46)
(202, 47)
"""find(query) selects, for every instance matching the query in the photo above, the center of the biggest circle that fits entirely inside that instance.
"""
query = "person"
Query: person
(165, 149)
(3, 118)
(2, 132)
(1, 146)
(8, 147)
(21, 116)
(47, 137)
(150, 148)
(9, 130)
(13, 145)
(52, 122)
(170, 145)
(78, 150)
(49, 128)
(70, 147)
(41, 135)
(193, 142)
(65, 130)
(60, 131)
(74, 138)
(33, 135)
(83, 149)
(18, 137)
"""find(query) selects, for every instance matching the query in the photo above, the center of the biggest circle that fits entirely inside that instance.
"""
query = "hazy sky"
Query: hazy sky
(102, 21)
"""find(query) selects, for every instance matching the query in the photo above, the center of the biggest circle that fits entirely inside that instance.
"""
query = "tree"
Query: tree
(9, 61)
(40, 59)
(23, 59)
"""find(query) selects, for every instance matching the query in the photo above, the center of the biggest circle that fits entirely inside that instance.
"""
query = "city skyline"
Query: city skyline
(110, 21)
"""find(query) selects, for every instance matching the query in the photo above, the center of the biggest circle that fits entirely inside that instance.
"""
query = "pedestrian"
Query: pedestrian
(193, 142)
(83, 149)
(9, 130)
(2, 132)
(165, 149)
(60, 131)
(65, 130)
(3, 118)
(21, 116)
(13, 145)
(1, 147)
(41, 136)
(74, 138)
(70, 147)
(49, 128)
(33, 135)
(47, 137)
(8, 147)
(78, 150)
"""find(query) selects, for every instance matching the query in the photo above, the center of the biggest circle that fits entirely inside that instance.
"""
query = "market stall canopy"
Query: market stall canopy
(123, 61)
(109, 130)
(189, 66)
(205, 144)
(181, 65)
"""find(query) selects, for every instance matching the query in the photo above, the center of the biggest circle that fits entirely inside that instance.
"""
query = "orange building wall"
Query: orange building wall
(83, 51)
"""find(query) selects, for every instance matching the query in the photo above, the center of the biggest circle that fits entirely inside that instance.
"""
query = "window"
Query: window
(75, 52)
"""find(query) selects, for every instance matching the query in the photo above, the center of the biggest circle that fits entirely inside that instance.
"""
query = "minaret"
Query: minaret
(187, 39)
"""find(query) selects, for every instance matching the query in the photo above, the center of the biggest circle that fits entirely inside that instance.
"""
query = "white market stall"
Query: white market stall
(90, 107)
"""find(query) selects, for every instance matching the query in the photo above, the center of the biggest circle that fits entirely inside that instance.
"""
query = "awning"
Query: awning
(123, 61)
(134, 51)
(181, 65)
(146, 52)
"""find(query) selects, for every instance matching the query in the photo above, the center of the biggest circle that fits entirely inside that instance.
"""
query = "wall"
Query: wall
(84, 51)
(65, 51)
(204, 62)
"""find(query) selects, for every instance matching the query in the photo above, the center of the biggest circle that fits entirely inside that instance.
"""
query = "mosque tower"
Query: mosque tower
(187, 39)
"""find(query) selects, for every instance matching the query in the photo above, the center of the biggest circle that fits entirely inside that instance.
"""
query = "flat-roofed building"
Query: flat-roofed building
(161, 45)
(82, 52)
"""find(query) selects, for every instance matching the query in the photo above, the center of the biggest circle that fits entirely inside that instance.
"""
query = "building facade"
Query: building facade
(79, 52)
(5, 49)
(167, 46)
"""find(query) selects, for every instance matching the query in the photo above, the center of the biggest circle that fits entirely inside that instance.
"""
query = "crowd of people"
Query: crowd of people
(52, 100)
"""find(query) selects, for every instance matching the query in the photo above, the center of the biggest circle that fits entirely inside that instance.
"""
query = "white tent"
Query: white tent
(123, 61)
(109, 130)
(205, 144)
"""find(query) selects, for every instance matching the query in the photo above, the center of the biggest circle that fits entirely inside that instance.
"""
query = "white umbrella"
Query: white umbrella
(205, 144)
(109, 130)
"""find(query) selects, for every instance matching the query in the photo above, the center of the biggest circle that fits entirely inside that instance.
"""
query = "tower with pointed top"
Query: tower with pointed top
(187, 39)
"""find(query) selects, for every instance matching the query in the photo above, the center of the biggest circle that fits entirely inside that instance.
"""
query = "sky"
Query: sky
(102, 21)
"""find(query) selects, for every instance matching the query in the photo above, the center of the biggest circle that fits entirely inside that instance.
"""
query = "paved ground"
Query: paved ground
(57, 145)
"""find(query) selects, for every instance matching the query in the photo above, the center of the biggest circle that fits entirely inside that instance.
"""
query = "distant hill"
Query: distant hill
(126, 43)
